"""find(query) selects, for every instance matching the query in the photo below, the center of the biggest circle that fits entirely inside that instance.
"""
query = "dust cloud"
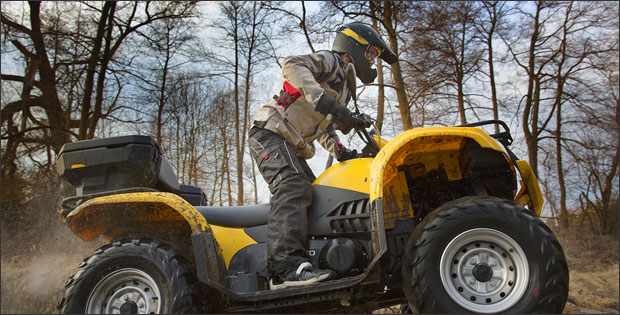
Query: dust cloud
(35, 266)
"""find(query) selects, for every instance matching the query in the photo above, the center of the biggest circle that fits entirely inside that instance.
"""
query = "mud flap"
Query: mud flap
(209, 262)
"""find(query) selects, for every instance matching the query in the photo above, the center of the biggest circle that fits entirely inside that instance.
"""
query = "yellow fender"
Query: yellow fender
(398, 148)
(530, 193)
(109, 214)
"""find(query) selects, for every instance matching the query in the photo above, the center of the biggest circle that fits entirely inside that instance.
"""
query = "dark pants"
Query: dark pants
(290, 182)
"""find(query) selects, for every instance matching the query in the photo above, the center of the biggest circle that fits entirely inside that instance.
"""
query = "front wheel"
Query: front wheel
(132, 277)
(484, 255)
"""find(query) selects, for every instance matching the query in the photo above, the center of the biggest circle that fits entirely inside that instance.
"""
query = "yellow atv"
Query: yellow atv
(440, 219)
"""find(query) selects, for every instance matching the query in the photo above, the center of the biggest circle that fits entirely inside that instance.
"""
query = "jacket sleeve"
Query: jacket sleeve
(331, 142)
(303, 72)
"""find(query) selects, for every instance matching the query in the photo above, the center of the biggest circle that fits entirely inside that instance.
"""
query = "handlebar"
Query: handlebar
(361, 124)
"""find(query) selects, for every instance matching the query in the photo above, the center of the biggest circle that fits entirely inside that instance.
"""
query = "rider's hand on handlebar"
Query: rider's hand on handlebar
(342, 117)
(343, 120)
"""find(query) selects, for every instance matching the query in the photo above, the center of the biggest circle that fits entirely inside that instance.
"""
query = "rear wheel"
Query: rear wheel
(484, 255)
(132, 277)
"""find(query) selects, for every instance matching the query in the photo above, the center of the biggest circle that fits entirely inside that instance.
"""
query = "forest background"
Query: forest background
(192, 75)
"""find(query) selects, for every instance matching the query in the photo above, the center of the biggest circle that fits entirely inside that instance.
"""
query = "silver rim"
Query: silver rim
(484, 270)
(126, 288)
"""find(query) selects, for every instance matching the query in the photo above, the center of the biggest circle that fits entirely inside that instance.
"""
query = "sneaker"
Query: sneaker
(304, 275)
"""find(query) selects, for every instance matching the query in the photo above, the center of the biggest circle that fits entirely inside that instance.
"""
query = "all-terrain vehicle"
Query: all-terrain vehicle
(438, 219)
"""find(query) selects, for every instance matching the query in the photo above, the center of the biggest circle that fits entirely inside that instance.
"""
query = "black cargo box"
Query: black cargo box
(105, 165)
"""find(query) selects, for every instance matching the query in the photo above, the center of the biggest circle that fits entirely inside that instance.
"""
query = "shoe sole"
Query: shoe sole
(288, 284)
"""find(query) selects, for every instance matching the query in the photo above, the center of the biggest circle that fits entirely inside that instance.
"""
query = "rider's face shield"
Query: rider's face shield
(372, 53)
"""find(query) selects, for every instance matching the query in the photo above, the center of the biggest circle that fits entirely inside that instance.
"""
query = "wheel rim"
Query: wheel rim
(125, 291)
(484, 270)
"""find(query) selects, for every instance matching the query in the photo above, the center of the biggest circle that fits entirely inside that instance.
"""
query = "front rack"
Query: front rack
(503, 137)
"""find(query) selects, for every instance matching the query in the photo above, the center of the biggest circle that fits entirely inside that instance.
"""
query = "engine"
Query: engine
(343, 255)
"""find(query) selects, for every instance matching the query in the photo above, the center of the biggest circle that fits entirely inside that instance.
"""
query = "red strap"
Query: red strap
(340, 146)
(291, 90)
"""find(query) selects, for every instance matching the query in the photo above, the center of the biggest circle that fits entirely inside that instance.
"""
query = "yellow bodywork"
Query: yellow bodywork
(352, 175)
(430, 146)
(530, 193)
(105, 215)
(231, 240)
(397, 202)
(109, 214)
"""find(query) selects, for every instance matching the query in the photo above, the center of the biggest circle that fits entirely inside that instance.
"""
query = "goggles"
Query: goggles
(372, 52)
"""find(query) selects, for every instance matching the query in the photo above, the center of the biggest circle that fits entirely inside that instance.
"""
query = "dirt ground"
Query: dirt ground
(34, 270)
(593, 270)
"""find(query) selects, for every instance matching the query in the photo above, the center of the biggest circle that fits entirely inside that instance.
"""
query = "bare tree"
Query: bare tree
(533, 56)
(171, 42)
(555, 55)
(43, 46)
(445, 32)
(594, 144)
(299, 19)
(248, 24)
(491, 22)
(37, 62)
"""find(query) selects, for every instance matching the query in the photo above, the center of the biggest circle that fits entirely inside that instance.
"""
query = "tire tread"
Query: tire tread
(553, 291)
(183, 282)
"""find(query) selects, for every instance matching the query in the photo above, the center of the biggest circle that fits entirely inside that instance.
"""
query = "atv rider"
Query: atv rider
(311, 104)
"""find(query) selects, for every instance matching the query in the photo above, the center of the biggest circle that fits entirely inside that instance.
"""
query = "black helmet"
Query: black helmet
(363, 45)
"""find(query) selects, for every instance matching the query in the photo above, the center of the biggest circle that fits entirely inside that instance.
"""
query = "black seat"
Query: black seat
(238, 216)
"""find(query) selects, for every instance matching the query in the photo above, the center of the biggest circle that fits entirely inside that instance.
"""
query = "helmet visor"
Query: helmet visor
(372, 52)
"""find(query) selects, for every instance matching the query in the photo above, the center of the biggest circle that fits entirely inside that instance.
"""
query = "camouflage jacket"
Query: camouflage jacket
(292, 115)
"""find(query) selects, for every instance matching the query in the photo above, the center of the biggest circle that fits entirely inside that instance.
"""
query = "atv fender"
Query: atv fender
(530, 193)
(394, 153)
(158, 215)
(104, 215)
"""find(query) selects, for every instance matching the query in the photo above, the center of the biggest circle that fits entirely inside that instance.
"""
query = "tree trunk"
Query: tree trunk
(561, 79)
(489, 43)
(47, 79)
(609, 179)
(558, 147)
(90, 72)
(226, 167)
(461, 98)
(239, 151)
(246, 103)
(530, 129)
(105, 60)
(460, 75)
(381, 88)
(403, 102)
(304, 27)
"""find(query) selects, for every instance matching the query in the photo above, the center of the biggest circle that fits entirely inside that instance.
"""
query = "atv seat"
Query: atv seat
(238, 216)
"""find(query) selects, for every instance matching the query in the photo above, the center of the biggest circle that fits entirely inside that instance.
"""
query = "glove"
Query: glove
(347, 154)
(343, 120)
(362, 121)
